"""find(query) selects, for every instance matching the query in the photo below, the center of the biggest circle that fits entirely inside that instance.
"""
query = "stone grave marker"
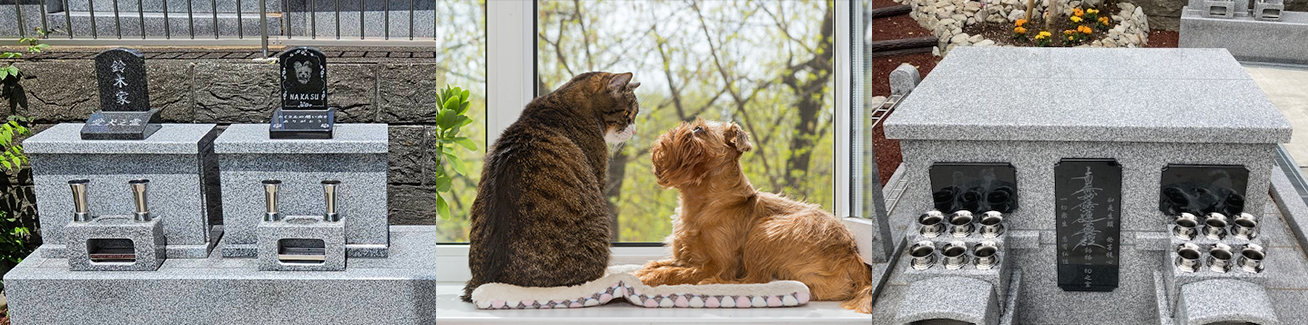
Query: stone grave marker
(303, 113)
(125, 112)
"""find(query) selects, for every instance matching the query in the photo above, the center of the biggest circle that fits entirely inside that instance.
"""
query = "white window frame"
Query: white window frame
(511, 84)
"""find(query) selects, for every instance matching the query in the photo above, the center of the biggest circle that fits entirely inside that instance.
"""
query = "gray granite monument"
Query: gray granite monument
(1098, 184)
(125, 112)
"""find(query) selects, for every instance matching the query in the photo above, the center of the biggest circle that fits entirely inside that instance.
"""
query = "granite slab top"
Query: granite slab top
(346, 139)
(66, 138)
(1089, 94)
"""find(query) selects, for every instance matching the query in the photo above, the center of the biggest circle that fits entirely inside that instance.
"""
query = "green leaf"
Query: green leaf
(447, 120)
(458, 165)
(443, 184)
(466, 143)
(442, 208)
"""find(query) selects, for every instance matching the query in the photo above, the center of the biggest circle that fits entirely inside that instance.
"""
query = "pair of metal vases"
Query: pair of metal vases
(961, 224)
(954, 255)
(1190, 258)
(1216, 226)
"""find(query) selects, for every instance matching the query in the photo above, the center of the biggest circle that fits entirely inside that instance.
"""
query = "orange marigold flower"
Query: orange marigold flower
(1078, 12)
(1092, 11)
(1069, 38)
(1084, 29)
(1103, 20)
(1069, 32)
(1020, 22)
(1020, 30)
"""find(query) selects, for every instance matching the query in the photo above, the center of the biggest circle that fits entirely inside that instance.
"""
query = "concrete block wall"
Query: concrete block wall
(400, 93)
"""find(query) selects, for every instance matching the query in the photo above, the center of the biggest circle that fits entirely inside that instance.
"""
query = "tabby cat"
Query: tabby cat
(540, 218)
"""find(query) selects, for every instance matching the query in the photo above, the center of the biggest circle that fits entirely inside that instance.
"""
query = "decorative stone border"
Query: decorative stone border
(946, 19)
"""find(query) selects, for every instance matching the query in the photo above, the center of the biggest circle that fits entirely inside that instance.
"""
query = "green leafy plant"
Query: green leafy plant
(450, 119)
(15, 231)
(33, 44)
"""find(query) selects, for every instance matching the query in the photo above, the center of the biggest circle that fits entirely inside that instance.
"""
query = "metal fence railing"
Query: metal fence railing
(224, 23)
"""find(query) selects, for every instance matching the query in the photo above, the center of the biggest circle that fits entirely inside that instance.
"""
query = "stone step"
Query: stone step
(174, 6)
(374, 24)
(178, 24)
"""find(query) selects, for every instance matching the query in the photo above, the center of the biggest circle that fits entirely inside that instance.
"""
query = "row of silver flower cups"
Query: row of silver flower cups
(1190, 258)
(1215, 226)
(954, 255)
(960, 224)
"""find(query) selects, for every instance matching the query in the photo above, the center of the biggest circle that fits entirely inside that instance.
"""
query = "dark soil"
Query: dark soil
(897, 27)
(1162, 38)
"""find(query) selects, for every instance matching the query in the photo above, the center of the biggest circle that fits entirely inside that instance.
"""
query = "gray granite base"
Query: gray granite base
(949, 298)
(399, 289)
(1249, 38)
(331, 233)
(177, 160)
(357, 157)
(1217, 301)
(147, 239)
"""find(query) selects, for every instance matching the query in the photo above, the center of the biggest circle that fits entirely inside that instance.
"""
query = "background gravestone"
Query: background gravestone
(125, 112)
(304, 113)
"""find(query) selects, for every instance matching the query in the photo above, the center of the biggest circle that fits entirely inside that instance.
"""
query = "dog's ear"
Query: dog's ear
(737, 138)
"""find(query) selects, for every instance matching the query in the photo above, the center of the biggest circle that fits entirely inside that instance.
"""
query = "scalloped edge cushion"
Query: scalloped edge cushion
(620, 283)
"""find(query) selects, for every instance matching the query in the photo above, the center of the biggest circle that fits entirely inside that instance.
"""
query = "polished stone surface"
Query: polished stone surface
(147, 243)
(356, 156)
(177, 160)
(299, 228)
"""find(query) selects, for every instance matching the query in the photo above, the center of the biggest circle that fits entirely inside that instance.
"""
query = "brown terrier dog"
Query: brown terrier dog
(727, 232)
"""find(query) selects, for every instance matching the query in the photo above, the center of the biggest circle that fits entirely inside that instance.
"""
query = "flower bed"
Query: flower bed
(1004, 23)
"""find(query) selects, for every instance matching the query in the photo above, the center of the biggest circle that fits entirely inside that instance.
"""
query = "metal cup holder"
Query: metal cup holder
(961, 224)
(1188, 257)
(1215, 226)
(1219, 258)
(924, 255)
(1185, 225)
(1251, 258)
(987, 255)
(992, 224)
(1246, 227)
(955, 255)
(931, 224)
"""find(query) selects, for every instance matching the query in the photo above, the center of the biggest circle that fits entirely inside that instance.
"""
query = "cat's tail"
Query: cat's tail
(863, 298)
(467, 292)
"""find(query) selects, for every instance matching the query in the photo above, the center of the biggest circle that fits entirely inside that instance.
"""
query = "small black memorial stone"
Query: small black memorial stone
(304, 113)
(1202, 189)
(975, 187)
(1088, 208)
(125, 112)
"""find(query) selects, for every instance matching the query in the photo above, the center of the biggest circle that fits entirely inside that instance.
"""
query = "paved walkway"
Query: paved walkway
(1287, 86)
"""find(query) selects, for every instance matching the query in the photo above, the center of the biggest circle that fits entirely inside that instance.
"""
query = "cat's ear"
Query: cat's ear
(620, 81)
(738, 138)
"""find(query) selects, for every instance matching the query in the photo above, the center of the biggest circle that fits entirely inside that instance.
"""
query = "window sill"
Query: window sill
(451, 310)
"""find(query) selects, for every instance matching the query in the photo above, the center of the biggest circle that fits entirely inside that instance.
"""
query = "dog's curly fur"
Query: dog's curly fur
(727, 232)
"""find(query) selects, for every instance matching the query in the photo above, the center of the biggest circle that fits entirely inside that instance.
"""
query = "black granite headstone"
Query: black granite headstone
(976, 187)
(1088, 207)
(120, 74)
(303, 113)
(125, 112)
(1201, 189)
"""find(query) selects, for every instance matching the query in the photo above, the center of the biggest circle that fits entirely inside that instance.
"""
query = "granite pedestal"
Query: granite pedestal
(107, 235)
(178, 161)
(1151, 109)
(356, 156)
(281, 241)
(1270, 35)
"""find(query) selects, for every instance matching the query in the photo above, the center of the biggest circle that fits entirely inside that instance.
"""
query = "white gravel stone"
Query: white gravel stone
(975, 38)
(1016, 14)
(984, 43)
(961, 38)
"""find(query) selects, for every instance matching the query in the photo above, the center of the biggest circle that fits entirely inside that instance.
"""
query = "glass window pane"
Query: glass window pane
(766, 65)
(461, 34)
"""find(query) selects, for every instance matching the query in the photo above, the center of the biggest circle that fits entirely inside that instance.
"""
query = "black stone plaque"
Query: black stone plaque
(1088, 202)
(120, 74)
(302, 124)
(125, 112)
(304, 113)
(976, 187)
(304, 78)
(108, 125)
(1201, 189)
